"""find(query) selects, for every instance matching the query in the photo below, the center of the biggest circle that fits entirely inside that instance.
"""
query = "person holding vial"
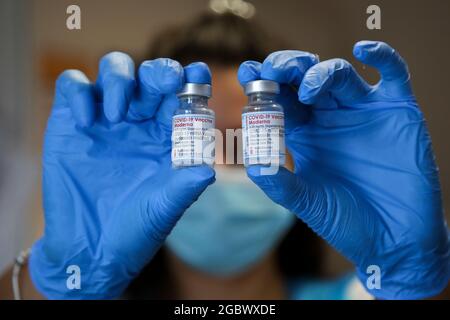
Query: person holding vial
(364, 178)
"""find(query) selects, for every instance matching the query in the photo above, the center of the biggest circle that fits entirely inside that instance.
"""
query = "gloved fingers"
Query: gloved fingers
(380, 55)
(157, 78)
(336, 78)
(74, 90)
(284, 67)
(116, 84)
(249, 71)
(197, 72)
(167, 108)
(288, 66)
(290, 191)
(394, 83)
(295, 112)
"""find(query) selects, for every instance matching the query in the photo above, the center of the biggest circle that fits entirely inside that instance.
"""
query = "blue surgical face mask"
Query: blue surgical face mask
(231, 227)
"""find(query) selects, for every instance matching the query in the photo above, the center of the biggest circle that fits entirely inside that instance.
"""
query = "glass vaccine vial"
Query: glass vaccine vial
(193, 128)
(263, 125)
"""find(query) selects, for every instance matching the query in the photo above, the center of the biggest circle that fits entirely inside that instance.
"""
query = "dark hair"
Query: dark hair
(226, 40)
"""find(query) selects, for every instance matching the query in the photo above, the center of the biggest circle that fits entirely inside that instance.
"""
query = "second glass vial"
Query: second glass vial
(263, 125)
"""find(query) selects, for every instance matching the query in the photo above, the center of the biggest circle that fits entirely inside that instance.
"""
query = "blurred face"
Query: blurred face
(233, 225)
(228, 97)
(227, 101)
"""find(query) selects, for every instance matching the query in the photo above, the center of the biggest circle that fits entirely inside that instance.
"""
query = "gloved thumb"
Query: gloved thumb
(289, 190)
(153, 214)
(187, 184)
(180, 190)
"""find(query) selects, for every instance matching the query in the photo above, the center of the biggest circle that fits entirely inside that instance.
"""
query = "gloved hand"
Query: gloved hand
(365, 175)
(110, 194)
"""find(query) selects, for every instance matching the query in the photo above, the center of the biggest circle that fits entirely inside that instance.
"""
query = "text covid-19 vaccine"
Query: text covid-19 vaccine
(263, 125)
(193, 128)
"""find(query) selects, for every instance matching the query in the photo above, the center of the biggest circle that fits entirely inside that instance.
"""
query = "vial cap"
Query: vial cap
(262, 86)
(195, 89)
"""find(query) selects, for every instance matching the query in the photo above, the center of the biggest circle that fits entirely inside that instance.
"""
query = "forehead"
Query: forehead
(225, 83)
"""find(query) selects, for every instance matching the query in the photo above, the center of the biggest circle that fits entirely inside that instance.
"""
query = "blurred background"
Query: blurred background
(35, 46)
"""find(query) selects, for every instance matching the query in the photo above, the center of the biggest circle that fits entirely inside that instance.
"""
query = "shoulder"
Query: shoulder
(346, 287)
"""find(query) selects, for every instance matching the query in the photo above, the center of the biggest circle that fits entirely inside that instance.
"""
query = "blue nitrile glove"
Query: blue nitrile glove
(365, 175)
(110, 194)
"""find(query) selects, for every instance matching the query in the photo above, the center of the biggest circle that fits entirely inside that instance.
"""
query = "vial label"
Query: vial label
(263, 138)
(192, 140)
